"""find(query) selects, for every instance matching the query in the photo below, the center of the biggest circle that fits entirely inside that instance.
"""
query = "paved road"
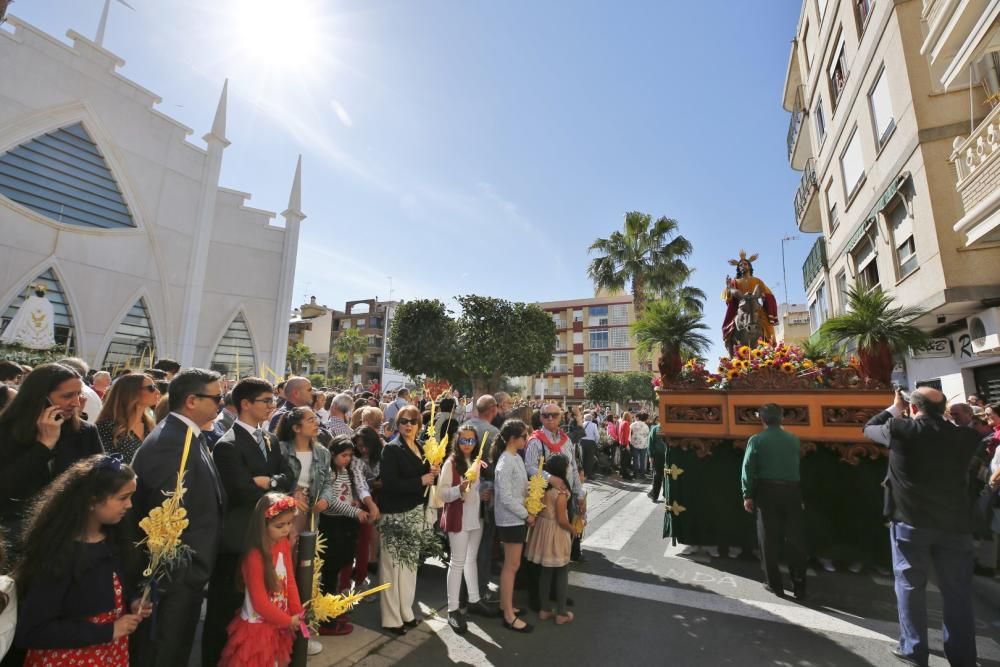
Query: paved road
(638, 602)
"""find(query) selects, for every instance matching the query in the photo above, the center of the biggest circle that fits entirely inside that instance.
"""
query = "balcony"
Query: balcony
(815, 262)
(798, 132)
(806, 202)
(977, 163)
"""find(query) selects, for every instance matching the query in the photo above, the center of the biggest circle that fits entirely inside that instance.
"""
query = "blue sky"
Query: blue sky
(480, 147)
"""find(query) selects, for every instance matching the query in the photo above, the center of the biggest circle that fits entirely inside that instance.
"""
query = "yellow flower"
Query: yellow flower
(743, 352)
(788, 367)
(807, 364)
(536, 490)
(767, 362)
(730, 374)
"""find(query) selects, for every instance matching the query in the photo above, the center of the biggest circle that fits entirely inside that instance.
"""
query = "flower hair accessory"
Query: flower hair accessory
(112, 462)
(285, 504)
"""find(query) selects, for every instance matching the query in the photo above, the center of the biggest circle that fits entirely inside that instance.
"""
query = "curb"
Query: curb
(383, 650)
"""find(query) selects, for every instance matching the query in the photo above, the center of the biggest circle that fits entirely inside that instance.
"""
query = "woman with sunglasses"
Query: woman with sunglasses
(461, 521)
(403, 529)
(125, 419)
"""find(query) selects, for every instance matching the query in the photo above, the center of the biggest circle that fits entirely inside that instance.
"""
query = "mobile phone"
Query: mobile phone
(58, 416)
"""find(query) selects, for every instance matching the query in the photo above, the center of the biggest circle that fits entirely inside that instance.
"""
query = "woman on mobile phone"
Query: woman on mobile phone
(41, 435)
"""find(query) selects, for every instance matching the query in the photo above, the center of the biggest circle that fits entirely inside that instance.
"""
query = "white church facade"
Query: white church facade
(105, 201)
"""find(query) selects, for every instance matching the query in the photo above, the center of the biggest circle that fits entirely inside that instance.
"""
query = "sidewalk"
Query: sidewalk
(987, 590)
(367, 646)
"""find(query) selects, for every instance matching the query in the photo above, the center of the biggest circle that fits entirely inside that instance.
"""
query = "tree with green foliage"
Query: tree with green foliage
(498, 338)
(649, 258)
(299, 355)
(423, 339)
(350, 344)
(675, 330)
(637, 386)
(603, 387)
(492, 338)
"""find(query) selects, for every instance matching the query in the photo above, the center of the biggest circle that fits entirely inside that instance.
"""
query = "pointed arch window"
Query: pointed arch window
(63, 176)
(65, 330)
(234, 356)
(133, 340)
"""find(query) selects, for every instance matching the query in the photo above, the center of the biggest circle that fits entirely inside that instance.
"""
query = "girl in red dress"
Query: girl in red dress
(71, 578)
(261, 635)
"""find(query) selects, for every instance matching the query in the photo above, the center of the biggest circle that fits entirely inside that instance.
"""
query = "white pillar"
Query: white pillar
(202, 237)
(293, 216)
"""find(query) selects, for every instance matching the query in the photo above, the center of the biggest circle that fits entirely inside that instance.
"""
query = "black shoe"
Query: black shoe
(409, 625)
(526, 628)
(480, 608)
(398, 630)
(902, 657)
(569, 602)
(799, 590)
(457, 622)
(780, 593)
(981, 571)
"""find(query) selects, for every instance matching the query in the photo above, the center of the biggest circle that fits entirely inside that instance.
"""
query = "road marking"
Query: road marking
(619, 529)
(460, 650)
(821, 620)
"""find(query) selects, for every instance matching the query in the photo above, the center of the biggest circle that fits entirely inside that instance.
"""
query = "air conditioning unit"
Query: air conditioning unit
(984, 330)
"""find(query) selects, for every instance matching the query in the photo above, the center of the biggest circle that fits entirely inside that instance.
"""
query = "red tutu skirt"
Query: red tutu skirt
(256, 645)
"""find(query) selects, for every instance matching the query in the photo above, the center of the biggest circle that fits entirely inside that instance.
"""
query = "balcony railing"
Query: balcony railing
(807, 187)
(795, 122)
(815, 262)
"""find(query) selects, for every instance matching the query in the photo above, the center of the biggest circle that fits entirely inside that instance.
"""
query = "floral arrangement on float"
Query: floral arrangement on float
(768, 366)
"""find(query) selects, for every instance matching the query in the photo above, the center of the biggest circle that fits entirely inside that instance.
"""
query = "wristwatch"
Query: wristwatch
(274, 483)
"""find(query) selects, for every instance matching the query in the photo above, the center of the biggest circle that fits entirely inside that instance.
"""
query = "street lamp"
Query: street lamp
(784, 273)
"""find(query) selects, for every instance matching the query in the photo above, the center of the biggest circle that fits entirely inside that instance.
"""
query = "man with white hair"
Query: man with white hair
(340, 413)
(102, 382)
(91, 401)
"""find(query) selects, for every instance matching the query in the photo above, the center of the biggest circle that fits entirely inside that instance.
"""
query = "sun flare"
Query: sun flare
(279, 36)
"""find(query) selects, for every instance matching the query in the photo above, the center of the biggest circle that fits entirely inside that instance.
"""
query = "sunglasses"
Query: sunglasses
(403, 421)
(214, 397)
(549, 415)
(151, 388)
(466, 441)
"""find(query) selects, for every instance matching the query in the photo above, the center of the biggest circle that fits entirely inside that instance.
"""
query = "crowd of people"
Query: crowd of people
(88, 456)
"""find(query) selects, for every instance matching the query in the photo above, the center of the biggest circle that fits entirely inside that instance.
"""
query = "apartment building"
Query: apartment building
(592, 336)
(369, 317)
(793, 323)
(873, 132)
(311, 324)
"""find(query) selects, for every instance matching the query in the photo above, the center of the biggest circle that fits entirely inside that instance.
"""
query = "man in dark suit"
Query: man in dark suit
(194, 400)
(250, 464)
(930, 527)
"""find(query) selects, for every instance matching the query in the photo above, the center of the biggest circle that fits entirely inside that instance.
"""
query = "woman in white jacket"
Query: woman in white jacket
(460, 519)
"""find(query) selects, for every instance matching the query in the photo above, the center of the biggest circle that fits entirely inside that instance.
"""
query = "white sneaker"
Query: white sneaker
(314, 647)
(688, 550)
(712, 551)
(856, 567)
(827, 564)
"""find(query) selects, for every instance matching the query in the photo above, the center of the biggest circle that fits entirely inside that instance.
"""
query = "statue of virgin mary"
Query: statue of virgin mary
(34, 324)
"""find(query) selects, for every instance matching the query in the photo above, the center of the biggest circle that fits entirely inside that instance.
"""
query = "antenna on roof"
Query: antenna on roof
(103, 24)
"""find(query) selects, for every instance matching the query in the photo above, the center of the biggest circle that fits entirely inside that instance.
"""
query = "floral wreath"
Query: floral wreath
(284, 504)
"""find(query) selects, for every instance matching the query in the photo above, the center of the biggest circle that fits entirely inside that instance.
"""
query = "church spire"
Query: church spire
(219, 123)
(295, 196)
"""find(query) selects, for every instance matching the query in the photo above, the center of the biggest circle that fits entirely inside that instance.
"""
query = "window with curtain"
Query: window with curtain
(881, 109)
(852, 165)
(865, 261)
(838, 72)
(903, 241)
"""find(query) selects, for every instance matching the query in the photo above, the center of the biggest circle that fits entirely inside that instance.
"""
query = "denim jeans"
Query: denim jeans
(639, 457)
(915, 551)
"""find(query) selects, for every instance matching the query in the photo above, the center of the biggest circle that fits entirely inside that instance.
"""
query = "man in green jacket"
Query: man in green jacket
(771, 487)
(658, 452)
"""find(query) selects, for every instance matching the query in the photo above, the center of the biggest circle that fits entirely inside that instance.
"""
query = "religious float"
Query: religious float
(707, 417)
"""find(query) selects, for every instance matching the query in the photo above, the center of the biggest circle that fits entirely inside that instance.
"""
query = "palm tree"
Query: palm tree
(648, 256)
(877, 329)
(675, 330)
(348, 346)
(298, 354)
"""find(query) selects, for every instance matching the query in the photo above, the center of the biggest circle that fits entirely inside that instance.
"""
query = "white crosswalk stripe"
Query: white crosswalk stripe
(615, 533)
